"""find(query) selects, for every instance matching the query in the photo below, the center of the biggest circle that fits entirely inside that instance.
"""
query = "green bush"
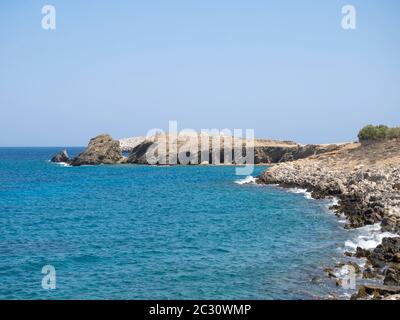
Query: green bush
(394, 133)
(380, 132)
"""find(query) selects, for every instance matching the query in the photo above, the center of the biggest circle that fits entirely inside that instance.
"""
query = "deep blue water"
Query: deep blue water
(139, 232)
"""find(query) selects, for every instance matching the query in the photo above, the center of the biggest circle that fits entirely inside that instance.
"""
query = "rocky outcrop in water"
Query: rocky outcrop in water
(100, 150)
(62, 156)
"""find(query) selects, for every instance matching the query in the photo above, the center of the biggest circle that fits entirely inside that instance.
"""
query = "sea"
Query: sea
(158, 232)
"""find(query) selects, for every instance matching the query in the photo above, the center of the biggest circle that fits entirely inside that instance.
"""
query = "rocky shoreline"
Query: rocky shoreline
(365, 180)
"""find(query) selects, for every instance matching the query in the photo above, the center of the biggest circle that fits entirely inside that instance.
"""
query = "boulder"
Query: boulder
(386, 252)
(362, 253)
(100, 150)
(62, 156)
(392, 276)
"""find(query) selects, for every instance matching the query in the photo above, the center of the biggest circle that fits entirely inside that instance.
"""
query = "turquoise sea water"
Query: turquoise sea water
(140, 232)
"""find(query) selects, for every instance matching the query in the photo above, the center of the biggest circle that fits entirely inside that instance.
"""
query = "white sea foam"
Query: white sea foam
(61, 164)
(343, 271)
(247, 180)
(369, 237)
(306, 194)
(64, 164)
(334, 202)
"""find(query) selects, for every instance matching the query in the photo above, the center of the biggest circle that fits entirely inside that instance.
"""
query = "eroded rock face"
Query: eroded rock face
(62, 156)
(101, 150)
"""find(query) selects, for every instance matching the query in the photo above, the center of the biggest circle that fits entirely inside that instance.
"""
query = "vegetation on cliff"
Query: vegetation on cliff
(381, 132)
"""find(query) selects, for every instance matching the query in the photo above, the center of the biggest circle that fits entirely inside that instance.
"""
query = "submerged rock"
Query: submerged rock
(101, 150)
(62, 156)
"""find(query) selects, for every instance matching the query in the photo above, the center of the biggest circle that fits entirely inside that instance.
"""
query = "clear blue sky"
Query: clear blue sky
(284, 68)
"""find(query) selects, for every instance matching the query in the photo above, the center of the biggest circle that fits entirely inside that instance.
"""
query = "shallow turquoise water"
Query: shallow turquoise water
(138, 232)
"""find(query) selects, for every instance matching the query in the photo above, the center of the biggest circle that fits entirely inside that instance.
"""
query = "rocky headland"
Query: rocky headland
(100, 150)
(365, 179)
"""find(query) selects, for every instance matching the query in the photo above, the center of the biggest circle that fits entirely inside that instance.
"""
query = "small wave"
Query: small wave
(247, 180)
(306, 194)
(369, 238)
(333, 202)
(61, 164)
(64, 164)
